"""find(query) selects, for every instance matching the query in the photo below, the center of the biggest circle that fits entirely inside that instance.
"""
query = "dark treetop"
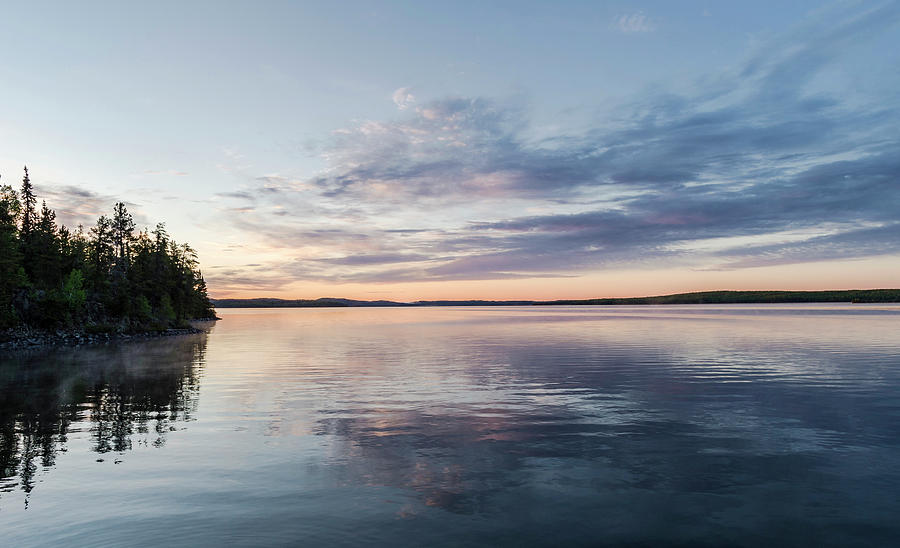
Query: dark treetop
(108, 278)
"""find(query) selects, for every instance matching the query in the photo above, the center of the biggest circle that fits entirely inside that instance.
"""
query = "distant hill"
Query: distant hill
(703, 297)
(299, 303)
(336, 302)
(750, 297)
(474, 303)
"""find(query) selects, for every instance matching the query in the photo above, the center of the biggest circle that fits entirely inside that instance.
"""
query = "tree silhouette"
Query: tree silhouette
(107, 279)
(11, 274)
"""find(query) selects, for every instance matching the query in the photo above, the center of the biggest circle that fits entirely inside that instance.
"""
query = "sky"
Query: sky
(472, 150)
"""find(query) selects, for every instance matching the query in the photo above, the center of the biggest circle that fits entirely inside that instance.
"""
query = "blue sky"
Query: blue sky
(462, 150)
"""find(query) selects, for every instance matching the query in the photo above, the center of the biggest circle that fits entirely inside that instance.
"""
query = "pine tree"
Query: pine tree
(29, 221)
(50, 275)
(123, 231)
(101, 254)
(11, 273)
(29, 203)
(46, 256)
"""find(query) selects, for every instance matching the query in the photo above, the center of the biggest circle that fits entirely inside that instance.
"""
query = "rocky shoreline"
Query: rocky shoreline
(29, 338)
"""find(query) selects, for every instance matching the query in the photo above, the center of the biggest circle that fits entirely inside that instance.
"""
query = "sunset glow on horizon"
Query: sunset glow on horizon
(405, 152)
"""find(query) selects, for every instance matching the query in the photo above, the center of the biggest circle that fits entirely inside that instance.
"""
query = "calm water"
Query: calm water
(657, 426)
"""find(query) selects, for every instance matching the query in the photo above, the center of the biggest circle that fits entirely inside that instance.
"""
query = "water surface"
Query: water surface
(770, 425)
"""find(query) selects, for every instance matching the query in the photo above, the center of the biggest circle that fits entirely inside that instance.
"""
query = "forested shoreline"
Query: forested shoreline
(858, 296)
(109, 278)
(749, 297)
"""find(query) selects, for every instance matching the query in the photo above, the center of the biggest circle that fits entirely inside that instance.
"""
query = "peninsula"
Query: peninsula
(64, 285)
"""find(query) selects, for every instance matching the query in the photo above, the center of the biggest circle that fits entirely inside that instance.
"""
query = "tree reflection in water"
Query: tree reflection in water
(122, 394)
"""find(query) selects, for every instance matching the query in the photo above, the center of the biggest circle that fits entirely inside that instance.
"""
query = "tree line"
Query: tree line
(750, 297)
(110, 277)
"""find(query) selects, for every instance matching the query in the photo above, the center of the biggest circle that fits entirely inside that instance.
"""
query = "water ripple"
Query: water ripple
(730, 425)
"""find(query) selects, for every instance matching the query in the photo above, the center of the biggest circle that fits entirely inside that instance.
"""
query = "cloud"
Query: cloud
(241, 280)
(403, 98)
(851, 244)
(79, 206)
(169, 172)
(634, 22)
(240, 195)
(376, 259)
(459, 187)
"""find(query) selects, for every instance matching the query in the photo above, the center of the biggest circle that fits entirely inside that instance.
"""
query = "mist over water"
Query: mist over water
(770, 425)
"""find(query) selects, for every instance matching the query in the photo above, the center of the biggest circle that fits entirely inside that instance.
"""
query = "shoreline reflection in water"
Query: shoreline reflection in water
(124, 395)
(529, 426)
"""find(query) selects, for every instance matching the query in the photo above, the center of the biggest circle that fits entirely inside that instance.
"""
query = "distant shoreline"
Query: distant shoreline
(701, 297)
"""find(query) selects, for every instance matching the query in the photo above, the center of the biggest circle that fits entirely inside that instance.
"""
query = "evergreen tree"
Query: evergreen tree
(100, 254)
(123, 231)
(11, 273)
(46, 256)
(29, 225)
(52, 276)
(29, 203)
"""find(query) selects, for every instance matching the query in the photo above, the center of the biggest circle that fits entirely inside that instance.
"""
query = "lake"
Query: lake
(744, 425)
